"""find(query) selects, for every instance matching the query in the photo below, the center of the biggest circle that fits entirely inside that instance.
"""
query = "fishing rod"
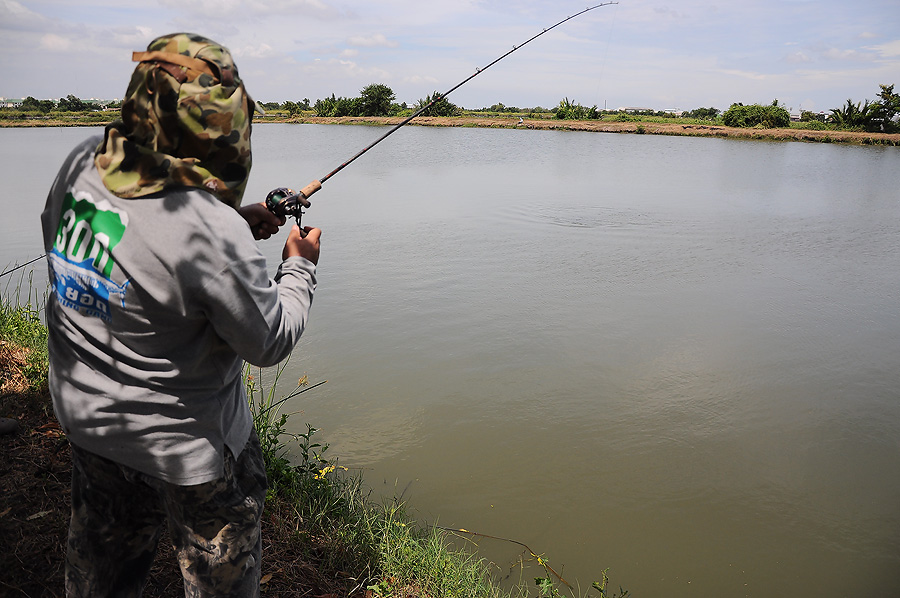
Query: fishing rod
(285, 202)
(20, 266)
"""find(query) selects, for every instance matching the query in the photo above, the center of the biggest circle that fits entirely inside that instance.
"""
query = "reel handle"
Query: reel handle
(288, 203)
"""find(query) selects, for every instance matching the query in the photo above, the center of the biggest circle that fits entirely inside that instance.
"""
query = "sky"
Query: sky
(659, 54)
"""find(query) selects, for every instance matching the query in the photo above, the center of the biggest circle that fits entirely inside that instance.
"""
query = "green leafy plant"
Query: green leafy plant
(568, 110)
(767, 117)
(376, 99)
(441, 107)
(338, 106)
(854, 116)
(546, 587)
(600, 586)
(549, 589)
(271, 428)
(23, 336)
(877, 116)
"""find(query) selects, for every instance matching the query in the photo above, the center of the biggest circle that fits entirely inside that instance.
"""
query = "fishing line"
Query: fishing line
(606, 56)
(541, 561)
(285, 202)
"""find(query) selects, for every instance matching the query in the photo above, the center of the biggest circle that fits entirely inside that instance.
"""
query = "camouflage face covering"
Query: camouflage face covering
(185, 122)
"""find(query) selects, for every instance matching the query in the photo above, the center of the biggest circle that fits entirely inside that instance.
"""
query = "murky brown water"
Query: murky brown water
(676, 358)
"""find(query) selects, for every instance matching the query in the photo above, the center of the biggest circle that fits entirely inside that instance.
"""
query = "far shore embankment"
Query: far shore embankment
(645, 127)
(603, 126)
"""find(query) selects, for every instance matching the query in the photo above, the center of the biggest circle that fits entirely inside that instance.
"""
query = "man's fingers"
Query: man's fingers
(311, 233)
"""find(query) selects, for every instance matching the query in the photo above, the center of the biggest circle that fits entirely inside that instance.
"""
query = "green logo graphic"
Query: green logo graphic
(88, 232)
(81, 259)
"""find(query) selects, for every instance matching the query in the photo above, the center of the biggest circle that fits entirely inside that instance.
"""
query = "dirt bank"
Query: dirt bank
(620, 127)
(36, 470)
(650, 128)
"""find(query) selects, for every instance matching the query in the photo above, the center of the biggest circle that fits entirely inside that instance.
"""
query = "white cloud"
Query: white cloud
(845, 55)
(888, 50)
(419, 79)
(12, 9)
(55, 43)
(372, 41)
(744, 74)
(132, 37)
(262, 50)
(338, 68)
(251, 9)
(690, 53)
(798, 57)
(14, 15)
(668, 12)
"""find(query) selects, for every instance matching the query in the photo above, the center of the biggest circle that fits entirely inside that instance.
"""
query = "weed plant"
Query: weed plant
(417, 558)
(329, 512)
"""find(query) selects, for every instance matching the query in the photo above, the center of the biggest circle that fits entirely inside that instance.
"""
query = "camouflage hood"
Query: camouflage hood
(185, 122)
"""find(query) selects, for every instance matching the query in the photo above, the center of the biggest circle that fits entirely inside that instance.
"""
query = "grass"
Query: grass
(23, 340)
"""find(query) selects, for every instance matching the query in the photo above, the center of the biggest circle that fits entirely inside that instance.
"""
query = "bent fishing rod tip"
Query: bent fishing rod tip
(284, 202)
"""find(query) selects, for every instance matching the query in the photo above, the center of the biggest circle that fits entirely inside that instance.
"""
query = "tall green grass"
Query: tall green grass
(23, 334)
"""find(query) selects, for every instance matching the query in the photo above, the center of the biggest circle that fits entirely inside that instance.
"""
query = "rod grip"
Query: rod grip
(311, 188)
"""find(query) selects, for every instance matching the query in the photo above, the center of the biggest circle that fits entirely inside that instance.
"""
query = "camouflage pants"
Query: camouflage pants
(118, 514)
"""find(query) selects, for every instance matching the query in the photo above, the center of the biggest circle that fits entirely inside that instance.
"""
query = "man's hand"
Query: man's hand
(303, 245)
(263, 223)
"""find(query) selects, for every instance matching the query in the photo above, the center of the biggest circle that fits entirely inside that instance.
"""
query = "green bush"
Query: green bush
(338, 106)
(22, 332)
(767, 117)
(812, 125)
(573, 111)
(441, 107)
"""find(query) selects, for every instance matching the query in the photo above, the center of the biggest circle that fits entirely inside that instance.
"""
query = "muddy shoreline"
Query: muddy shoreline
(594, 126)
(649, 128)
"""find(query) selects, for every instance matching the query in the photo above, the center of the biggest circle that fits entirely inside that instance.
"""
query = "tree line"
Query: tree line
(878, 116)
(376, 99)
(70, 103)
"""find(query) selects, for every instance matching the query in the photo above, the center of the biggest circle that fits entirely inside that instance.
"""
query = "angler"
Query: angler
(159, 295)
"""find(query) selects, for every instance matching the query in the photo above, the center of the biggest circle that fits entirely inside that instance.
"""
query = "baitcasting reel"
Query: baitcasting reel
(285, 202)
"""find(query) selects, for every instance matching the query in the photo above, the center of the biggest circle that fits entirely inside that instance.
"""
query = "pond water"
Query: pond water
(676, 358)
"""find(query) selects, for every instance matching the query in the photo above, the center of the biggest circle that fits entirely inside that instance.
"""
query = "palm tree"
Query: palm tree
(854, 115)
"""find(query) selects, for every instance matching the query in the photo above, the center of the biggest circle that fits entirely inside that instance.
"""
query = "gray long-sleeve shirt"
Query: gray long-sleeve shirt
(157, 302)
